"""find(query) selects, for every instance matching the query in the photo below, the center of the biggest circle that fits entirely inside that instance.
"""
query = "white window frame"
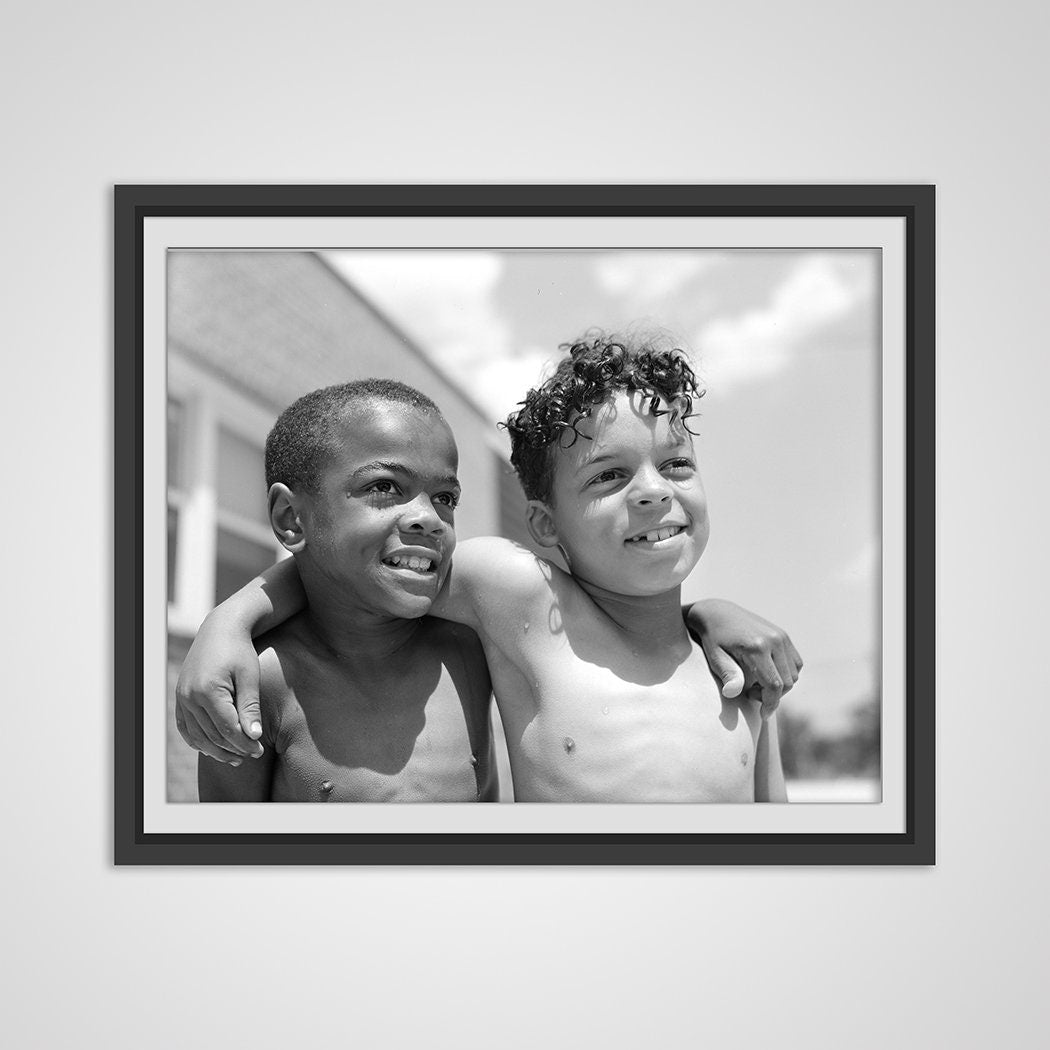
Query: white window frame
(208, 404)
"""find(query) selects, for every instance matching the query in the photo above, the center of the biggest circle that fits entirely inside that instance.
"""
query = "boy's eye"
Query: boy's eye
(605, 475)
(679, 465)
(449, 499)
(384, 488)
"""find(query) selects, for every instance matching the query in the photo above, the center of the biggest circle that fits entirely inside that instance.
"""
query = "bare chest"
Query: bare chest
(413, 740)
(638, 727)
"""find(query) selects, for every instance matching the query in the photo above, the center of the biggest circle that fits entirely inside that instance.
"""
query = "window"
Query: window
(245, 545)
(218, 530)
(241, 478)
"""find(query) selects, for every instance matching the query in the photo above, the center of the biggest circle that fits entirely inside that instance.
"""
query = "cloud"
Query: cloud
(446, 302)
(644, 278)
(501, 383)
(443, 299)
(759, 343)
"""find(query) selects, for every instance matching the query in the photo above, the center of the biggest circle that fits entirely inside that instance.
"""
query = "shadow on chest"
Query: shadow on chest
(379, 718)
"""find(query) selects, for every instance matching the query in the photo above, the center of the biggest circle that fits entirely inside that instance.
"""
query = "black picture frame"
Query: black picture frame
(134, 205)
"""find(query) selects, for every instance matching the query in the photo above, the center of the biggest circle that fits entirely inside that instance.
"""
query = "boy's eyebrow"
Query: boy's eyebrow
(380, 464)
(399, 468)
(591, 460)
(602, 457)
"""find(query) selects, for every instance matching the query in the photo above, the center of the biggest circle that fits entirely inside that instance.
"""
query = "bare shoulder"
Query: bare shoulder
(497, 571)
(490, 575)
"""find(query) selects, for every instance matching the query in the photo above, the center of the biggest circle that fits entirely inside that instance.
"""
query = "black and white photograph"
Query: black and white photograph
(783, 433)
(586, 523)
(621, 365)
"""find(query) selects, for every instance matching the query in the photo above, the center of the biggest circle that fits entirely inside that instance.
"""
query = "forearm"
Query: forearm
(769, 771)
(707, 613)
(745, 651)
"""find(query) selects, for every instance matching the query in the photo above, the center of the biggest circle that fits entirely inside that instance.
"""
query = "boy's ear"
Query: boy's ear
(541, 523)
(284, 518)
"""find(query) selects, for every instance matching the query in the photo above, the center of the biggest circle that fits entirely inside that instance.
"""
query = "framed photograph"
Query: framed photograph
(755, 366)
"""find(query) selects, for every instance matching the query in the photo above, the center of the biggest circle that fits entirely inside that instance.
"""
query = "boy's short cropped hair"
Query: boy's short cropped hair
(595, 367)
(304, 435)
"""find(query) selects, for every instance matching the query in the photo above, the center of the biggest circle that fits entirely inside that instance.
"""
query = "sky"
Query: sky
(787, 346)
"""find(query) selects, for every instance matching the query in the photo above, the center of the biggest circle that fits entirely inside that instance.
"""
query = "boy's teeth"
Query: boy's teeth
(658, 534)
(411, 562)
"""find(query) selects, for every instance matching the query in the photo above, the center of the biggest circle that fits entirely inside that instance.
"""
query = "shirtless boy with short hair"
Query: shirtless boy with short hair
(364, 698)
(602, 693)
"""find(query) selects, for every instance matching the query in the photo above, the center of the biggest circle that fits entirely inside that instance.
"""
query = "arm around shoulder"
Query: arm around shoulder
(217, 706)
(745, 651)
(265, 602)
(250, 781)
(490, 576)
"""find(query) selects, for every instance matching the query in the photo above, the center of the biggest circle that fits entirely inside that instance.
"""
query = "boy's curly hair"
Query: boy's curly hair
(596, 366)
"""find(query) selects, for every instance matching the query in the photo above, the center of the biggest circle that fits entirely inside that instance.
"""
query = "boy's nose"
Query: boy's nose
(652, 488)
(420, 516)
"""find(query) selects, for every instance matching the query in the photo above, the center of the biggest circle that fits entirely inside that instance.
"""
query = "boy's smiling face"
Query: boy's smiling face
(380, 529)
(627, 508)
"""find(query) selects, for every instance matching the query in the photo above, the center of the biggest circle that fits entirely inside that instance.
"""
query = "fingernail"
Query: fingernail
(235, 764)
(256, 727)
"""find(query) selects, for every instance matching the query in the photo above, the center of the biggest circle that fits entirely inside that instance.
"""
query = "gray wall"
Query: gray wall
(811, 91)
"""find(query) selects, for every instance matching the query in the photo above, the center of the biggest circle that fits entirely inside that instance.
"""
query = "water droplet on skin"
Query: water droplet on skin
(570, 744)
(605, 710)
(743, 759)
(526, 627)
(326, 786)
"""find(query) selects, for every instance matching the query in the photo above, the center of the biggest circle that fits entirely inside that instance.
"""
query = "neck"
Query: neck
(646, 616)
(350, 640)
(350, 632)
